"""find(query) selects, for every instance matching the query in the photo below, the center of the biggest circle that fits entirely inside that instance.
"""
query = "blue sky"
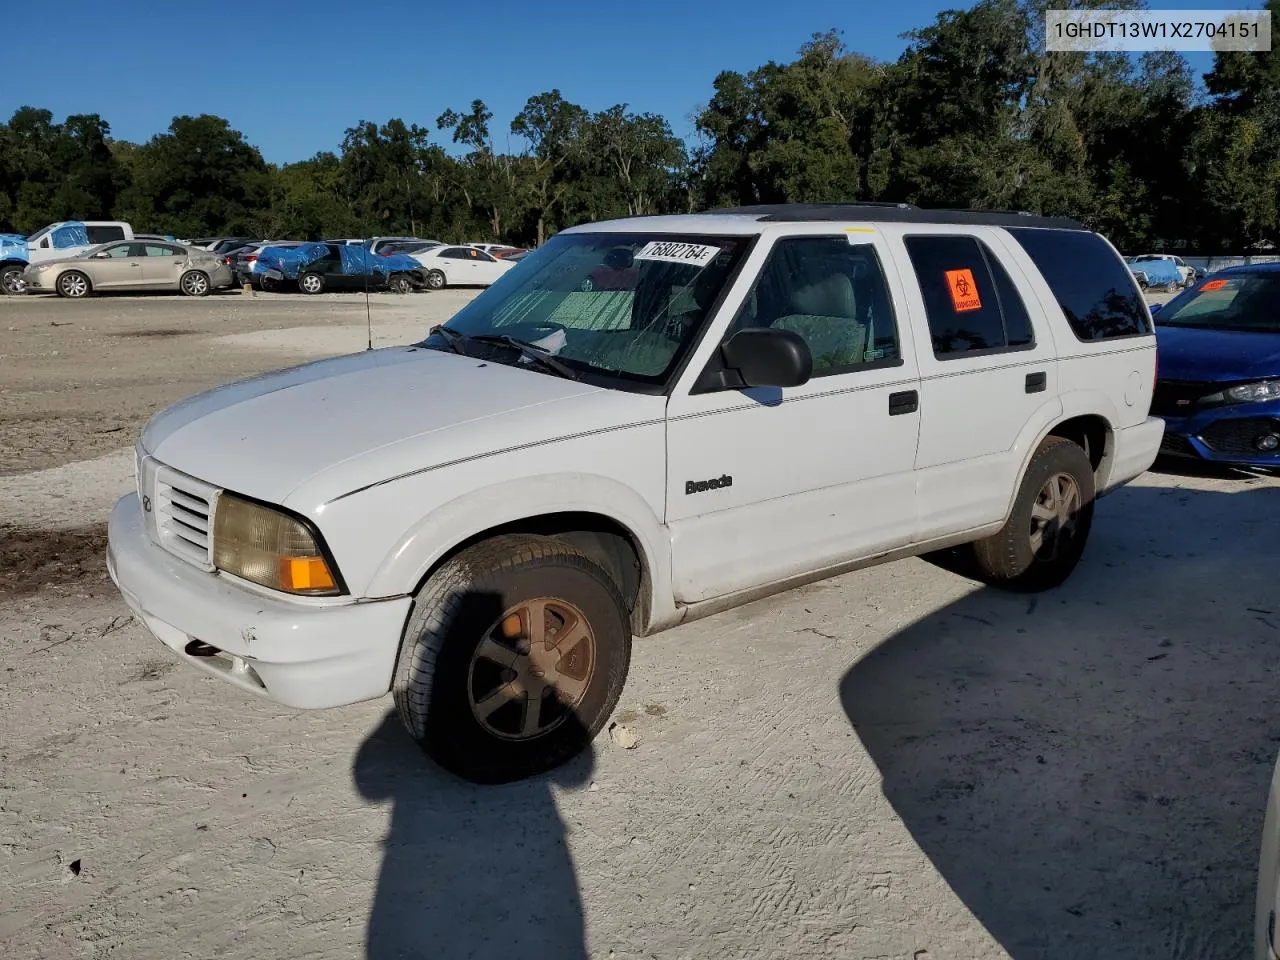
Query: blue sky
(293, 76)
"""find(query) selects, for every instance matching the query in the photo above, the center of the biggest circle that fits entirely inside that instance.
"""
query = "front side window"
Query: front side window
(833, 294)
(970, 301)
(1241, 302)
(121, 250)
(621, 306)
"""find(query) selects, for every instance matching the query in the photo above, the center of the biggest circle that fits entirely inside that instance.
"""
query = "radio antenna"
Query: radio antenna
(368, 311)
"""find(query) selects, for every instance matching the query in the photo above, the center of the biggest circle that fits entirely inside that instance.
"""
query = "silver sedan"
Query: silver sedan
(130, 265)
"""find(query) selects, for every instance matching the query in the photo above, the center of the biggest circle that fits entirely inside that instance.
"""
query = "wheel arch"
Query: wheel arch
(600, 516)
(1091, 429)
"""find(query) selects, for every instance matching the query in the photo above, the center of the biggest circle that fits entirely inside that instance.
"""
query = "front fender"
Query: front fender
(431, 537)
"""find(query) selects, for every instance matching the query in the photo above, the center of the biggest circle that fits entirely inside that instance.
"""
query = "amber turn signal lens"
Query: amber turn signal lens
(301, 574)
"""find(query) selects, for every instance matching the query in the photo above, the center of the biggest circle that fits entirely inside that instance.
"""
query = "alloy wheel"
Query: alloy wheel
(532, 669)
(1054, 515)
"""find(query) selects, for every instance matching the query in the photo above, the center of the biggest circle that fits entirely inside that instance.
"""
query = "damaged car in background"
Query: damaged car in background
(318, 267)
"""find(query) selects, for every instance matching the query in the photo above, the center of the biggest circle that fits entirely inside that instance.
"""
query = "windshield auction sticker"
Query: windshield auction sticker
(964, 291)
(665, 251)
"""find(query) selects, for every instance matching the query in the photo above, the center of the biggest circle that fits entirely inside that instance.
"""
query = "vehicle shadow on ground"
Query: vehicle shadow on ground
(1087, 768)
(469, 871)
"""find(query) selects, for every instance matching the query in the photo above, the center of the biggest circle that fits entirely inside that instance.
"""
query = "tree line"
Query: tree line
(974, 113)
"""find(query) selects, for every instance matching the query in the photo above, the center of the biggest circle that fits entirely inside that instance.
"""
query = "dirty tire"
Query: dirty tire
(195, 283)
(435, 280)
(11, 282)
(467, 600)
(74, 285)
(311, 283)
(399, 284)
(1007, 559)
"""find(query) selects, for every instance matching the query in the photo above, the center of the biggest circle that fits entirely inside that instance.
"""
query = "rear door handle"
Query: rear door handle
(908, 401)
(1036, 382)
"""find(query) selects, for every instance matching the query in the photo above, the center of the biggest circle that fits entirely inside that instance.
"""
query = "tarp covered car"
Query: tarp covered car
(317, 267)
(13, 260)
(1155, 272)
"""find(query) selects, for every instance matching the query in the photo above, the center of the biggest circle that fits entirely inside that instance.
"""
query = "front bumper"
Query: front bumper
(35, 280)
(301, 654)
(1226, 435)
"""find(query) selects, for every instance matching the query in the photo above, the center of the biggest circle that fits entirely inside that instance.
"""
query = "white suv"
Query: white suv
(652, 420)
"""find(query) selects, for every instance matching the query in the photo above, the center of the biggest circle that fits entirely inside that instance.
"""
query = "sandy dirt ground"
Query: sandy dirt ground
(893, 764)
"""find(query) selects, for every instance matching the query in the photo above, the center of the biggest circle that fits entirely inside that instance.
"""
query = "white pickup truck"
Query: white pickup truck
(648, 421)
(67, 238)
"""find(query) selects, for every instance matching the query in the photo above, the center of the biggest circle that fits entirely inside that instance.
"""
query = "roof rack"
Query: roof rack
(895, 213)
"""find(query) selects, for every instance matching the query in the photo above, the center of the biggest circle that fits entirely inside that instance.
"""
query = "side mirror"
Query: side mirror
(764, 357)
(101, 256)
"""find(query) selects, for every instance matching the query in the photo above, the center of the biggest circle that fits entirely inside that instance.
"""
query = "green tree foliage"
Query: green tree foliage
(974, 113)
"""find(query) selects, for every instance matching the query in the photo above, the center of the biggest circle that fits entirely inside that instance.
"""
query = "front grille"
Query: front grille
(184, 516)
(1179, 398)
(1239, 435)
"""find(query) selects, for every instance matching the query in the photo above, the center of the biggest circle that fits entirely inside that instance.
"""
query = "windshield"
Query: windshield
(1242, 301)
(619, 305)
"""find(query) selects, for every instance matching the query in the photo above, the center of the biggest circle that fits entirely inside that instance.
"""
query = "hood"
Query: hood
(1213, 356)
(341, 424)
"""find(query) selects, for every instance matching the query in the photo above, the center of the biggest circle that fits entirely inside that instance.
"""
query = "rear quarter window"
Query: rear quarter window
(104, 234)
(1092, 285)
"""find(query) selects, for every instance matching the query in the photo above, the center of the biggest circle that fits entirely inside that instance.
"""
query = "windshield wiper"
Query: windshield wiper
(451, 337)
(536, 354)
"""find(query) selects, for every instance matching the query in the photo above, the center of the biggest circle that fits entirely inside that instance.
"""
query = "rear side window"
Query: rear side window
(1094, 288)
(104, 234)
(970, 301)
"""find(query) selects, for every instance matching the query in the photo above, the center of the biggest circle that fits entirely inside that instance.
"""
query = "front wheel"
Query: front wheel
(1045, 535)
(399, 284)
(11, 281)
(194, 284)
(1171, 286)
(74, 285)
(435, 280)
(513, 659)
(311, 283)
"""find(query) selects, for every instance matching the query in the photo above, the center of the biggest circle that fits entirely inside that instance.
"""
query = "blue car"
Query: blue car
(1218, 383)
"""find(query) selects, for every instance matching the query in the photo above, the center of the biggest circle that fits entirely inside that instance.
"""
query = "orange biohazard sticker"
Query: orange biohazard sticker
(1213, 285)
(964, 290)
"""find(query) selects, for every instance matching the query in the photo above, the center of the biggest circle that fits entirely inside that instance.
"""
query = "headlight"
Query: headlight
(1251, 392)
(269, 547)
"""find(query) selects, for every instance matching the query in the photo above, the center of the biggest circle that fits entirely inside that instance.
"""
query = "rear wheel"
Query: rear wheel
(74, 284)
(311, 283)
(435, 280)
(11, 282)
(194, 284)
(1045, 535)
(513, 659)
